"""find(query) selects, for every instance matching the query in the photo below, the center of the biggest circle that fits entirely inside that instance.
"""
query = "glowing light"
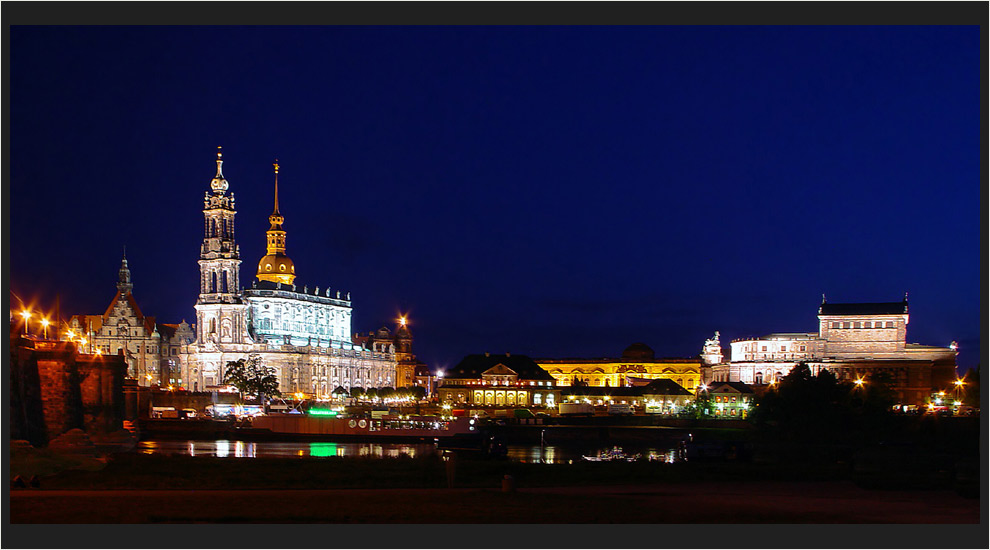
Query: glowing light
(26, 314)
(959, 383)
(402, 320)
(70, 335)
(83, 341)
(322, 412)
(859, 382)
(956, 403)
(45, 323)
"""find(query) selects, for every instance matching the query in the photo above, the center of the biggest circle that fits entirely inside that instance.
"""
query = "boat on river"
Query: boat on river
(613, 454)
(388, 427)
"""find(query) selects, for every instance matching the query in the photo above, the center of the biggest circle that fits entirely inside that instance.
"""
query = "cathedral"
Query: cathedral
(303, 332)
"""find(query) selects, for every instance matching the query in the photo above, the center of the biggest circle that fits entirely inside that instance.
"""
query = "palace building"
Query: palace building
(853, 340)
(498, 381)
(637, 363)
(151, 349)
(303, 332)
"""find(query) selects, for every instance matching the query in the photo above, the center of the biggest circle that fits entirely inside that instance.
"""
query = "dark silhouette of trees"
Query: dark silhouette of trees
(250, 376)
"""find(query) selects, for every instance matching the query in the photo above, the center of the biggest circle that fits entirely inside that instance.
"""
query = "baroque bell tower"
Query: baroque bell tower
(221, 314)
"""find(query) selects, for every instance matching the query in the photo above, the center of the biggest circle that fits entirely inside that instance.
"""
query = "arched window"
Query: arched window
(213, 325)
(213, 281)
(223, 281)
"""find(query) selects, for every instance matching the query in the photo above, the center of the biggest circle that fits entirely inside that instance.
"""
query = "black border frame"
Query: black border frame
(501, 13)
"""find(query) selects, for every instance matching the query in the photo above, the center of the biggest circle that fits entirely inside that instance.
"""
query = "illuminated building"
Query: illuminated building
(852, 341)
(730, 399)
(303, 333)
(638, 361)
(150, 349)
(406, 363)
(659, 396)
(498, 381)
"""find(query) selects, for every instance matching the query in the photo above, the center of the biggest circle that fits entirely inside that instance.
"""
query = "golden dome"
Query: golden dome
(277, 268)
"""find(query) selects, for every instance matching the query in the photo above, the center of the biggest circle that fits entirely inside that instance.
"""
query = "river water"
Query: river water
(274, 449)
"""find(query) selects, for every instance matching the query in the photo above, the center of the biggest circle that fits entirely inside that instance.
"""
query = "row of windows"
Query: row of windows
(783, 349)
(728, 399)
(862, 324)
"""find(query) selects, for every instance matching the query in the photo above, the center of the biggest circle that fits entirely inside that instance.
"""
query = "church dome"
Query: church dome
(638, 350)
(276, 268)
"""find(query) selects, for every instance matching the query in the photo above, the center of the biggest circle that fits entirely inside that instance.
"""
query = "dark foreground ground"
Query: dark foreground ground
(704, 502)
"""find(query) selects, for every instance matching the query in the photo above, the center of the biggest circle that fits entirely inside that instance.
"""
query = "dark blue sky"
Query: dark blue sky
(553, 191)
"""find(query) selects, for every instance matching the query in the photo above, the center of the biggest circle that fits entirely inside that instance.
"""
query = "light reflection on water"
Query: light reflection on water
(550, 454)
(274, 449)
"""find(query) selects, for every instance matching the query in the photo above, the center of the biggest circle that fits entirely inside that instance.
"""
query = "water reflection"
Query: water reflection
(551, 454)
(248, 449)
(548, 454)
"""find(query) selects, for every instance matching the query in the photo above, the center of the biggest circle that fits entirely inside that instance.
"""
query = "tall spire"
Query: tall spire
(219, 183)
(276, 218)
(275, 266)
(124, 285)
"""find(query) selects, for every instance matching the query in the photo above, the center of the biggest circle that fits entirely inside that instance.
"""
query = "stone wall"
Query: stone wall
(54, 389)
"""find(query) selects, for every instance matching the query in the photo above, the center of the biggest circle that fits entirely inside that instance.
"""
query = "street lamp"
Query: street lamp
(45, 323)
(859, 382)
(959, 384)
(26, 315)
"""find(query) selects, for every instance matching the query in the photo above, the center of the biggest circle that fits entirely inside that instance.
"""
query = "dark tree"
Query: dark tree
(250, 376)
(357, 392)
(417, 392)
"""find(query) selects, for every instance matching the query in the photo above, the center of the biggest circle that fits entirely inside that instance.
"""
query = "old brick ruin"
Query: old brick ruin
(54, 389)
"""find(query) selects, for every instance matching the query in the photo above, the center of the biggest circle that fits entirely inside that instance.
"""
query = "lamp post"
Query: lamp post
(25, 314)
(44, 324)
(959, 384)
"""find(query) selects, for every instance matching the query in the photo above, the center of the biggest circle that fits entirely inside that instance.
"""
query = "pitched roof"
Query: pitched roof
(865, 308)
(664, 386)
(473, 365)
(740, 387)
(130, 301)
(167, 330)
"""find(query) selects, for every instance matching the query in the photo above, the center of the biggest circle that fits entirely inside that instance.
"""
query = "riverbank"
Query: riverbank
(696, 502)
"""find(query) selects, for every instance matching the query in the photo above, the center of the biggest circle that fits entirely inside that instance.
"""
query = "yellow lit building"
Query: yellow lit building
(637, 364)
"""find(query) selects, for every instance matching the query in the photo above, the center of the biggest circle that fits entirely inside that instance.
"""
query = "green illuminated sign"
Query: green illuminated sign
(322, 412)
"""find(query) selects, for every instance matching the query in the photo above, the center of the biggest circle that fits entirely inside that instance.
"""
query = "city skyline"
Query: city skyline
(531, 190)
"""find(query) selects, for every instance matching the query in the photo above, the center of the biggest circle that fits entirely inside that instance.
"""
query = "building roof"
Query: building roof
(664, 386)
(873, 308)
(601, 391)
(167, 330)
(724, 387)
(638, 350)
(472, 366)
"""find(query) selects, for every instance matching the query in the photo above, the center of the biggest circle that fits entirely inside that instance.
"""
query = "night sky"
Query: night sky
(550, 191)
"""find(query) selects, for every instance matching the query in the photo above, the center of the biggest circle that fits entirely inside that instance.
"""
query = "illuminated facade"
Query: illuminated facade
(638, 362)
(151, 349)
(498, 381)
(303, 333)
(852, 341)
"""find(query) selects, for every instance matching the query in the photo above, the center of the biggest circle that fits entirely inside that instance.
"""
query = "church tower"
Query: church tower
(220, 312)
(124, 285)
(275, 266)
